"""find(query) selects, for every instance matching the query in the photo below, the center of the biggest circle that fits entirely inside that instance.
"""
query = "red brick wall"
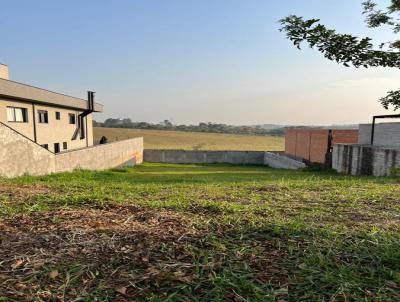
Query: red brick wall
(313, 144)
(344, 137)
(290, 141)
(318, 145)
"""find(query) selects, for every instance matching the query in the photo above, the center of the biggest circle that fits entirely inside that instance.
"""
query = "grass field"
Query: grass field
(154, 139)
(199, 233)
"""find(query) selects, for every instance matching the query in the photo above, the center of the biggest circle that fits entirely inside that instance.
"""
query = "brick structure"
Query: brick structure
(315, 145)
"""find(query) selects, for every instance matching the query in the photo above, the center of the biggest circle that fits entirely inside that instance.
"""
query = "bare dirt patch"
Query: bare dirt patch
(19, 192)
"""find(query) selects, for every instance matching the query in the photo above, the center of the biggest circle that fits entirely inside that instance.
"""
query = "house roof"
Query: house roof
(15, 90)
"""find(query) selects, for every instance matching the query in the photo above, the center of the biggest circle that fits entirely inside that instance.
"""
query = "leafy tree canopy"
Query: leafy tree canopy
(349, 50)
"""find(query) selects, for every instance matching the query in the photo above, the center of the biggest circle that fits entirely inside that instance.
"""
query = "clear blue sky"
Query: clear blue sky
(191, 61)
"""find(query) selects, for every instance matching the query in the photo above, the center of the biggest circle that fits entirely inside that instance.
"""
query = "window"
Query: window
(65, 145)
(56, 147)
(43, 117)
(46, 146)
(72, 118)
(58, 115)
(15, 114)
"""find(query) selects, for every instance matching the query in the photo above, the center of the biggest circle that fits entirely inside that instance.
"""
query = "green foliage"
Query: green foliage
(395, 171)
(348, 49)
(160, 232)
(201, 127)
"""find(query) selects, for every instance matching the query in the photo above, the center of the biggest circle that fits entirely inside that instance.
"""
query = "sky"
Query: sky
(193, 61)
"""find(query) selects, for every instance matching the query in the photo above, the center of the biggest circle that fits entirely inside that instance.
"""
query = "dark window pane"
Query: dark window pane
(82, 127)
(43, 116)
(72, 118)
(56, 147)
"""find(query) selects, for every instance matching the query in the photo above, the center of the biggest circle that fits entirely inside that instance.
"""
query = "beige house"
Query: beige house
(55, 121)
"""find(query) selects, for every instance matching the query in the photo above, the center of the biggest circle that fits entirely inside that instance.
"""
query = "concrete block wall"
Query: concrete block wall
(122, 153)
(19, 155)
(204, 157)
(270, 159)
(385, 134)
(365, 159)
(281, 161)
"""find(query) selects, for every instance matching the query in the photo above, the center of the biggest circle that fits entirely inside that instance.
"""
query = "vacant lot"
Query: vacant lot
(199, 233)
(154, 139)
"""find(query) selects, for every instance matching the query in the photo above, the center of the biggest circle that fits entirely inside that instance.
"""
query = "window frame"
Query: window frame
(46, 116)
(14, 116)
(58, 115)
(65, 146)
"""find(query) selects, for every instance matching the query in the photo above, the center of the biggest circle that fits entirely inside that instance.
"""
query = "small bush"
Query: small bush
(395, 171)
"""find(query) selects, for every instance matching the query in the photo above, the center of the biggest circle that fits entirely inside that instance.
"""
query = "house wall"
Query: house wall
(24, 128)
(55, 131)
(4, 72)
(19, 155)
(385, 134)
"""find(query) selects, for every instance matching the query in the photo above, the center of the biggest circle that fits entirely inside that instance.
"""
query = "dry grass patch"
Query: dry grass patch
(157, 139)
(118, 253)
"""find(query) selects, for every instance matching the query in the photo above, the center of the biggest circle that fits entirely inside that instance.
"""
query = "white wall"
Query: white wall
(385, 134)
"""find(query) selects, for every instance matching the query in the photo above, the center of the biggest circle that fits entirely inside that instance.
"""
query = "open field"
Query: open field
(199, 233)
(157, 139)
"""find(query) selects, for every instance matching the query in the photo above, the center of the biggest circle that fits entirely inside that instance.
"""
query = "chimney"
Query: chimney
(3, 71)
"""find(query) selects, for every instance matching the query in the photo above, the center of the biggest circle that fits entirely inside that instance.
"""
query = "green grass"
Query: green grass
(159, 232)
(161, 139)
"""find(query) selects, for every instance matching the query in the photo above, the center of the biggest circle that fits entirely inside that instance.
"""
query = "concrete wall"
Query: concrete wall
(19, 155)
(204, 157)
(280, 161)
(123, 153)
(365, 159)
(271, 159)
(385, 134)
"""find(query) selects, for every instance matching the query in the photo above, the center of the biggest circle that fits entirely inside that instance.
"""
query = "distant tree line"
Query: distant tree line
(201, 127)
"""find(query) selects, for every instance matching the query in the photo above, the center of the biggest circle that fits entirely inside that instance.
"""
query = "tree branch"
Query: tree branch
(342, 48)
